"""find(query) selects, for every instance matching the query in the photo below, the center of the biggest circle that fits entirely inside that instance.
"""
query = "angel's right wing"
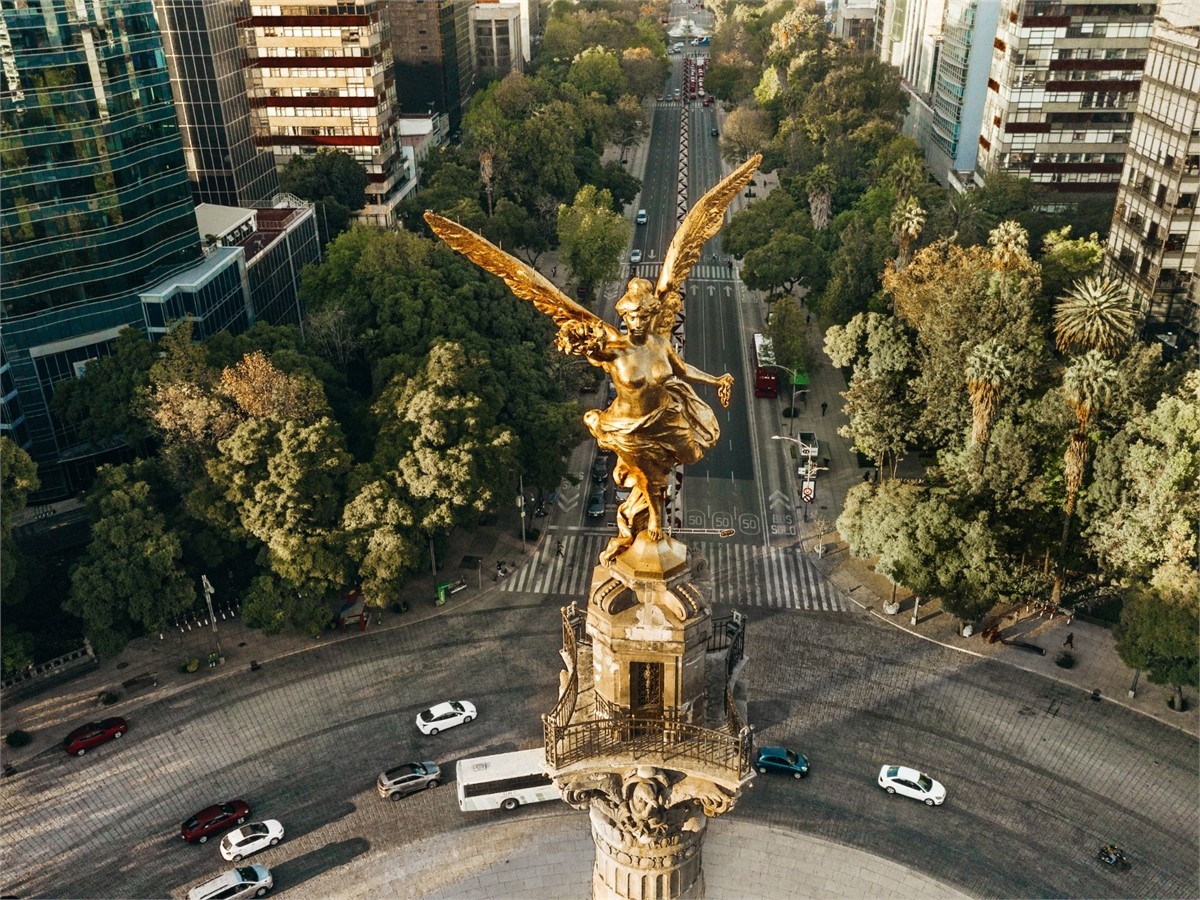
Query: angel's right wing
(701, 223)
(525, 282)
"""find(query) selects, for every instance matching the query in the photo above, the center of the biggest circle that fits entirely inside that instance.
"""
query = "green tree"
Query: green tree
(286, 483)
(1066, 260)
(907, 221)
(784, 262)
(1162, 638)
(820, 185)
(1144, 506)
(332, 179)
(923, 542)
(130, 574)
(383, 540)
(747, 130)
(440, 437)
(18, 479)
(988, 370)
(1087, 384)
(104, 406)
(591, 238)
(644, 71)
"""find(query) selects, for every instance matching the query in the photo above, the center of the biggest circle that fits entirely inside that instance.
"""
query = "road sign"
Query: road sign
(809, 491)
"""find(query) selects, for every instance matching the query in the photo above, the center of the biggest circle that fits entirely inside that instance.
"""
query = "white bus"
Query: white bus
(504, 781)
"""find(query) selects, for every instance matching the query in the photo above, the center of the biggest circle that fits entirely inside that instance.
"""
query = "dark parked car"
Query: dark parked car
(595, 507)
(600, 469)
(780, 759)
(408, 779)
(212, 819)
(93, 734)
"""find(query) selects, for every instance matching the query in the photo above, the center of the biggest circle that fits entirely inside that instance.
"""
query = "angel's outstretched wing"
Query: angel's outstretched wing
(701, 223)
(527, 283)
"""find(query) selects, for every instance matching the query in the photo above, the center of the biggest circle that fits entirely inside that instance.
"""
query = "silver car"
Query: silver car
(244, 881)
(408, 779)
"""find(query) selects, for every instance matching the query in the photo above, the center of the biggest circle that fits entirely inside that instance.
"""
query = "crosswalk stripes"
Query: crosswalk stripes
(750, 575)
(736, 574)
(569, 575)
(703, 272)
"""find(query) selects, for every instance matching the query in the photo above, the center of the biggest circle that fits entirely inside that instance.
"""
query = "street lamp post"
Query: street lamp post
(792, 403)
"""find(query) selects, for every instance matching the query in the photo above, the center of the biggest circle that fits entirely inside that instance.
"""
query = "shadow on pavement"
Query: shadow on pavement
(295, 872)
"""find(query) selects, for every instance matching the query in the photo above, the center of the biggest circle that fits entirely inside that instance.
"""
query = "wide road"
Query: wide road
(1037, 775)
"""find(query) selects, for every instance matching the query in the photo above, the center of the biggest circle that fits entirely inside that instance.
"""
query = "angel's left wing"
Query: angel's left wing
(701, 223)
(524, 281)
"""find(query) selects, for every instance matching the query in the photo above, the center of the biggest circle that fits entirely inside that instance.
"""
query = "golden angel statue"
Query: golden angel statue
(656, 421)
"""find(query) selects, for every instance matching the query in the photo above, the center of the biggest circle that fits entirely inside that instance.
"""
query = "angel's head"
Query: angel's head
(639, 306)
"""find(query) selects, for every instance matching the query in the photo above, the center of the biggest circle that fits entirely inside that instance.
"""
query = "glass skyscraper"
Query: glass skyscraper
(95, 207)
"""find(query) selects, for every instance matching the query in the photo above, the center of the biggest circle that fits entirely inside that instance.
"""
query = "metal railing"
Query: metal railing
(658, 739)
(615, 730)
(65, 663)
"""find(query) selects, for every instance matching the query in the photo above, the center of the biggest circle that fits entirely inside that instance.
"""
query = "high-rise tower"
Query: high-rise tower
(1154, 244)
(207, 63)
(97, 225)
(1063, 83)
(321, 76)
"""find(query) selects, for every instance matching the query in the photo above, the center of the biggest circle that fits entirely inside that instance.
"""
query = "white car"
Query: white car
(911, 783)
(445, 715)
(635, 257)
(241, 842)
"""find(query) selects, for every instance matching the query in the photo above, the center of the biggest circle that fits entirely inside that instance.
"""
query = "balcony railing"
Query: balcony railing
(657, 740)
(615, 730)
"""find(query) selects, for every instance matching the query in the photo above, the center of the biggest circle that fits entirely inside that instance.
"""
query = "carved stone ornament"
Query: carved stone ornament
(647, 805)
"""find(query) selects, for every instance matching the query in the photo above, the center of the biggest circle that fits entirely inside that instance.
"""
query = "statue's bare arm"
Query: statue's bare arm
(723, 383)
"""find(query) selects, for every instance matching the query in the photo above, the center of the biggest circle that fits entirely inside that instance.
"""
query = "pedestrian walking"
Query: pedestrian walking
(824, 407)
(807, 318)
(1070, 641)
(867, 475)
(559, 551)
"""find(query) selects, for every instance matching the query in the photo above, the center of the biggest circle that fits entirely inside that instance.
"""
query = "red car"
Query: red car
(212, 819)
(93, 734)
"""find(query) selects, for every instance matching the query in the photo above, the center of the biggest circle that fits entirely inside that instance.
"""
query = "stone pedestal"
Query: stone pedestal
(629, 740)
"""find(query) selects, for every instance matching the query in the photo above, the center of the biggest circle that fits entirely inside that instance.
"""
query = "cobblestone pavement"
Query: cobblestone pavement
(1038, 772)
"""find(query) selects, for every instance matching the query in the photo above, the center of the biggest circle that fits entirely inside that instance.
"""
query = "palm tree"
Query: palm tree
(1010, 246)
(967, 218)
(820, 185)
(906, 175)
(907, 221)
(1094, 315)
(1087, 384)
(988, 368)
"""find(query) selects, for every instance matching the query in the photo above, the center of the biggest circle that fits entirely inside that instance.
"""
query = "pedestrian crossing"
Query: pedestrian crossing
(703, 272)
(729, 573)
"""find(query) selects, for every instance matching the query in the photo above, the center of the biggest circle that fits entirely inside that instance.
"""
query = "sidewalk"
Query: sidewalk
(1096, 663)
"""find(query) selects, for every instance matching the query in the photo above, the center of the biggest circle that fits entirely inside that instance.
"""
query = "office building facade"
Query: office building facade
(434, 57)
(1154, 245)
(1063, 82)
(496, 27)
(321, 76)
(206, 62)
(959, 89)
(96, 212)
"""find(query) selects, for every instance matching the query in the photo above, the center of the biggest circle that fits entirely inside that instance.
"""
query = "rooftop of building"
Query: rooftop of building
(252, 229)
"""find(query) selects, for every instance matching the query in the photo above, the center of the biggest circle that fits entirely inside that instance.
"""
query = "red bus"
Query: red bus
(766, 375)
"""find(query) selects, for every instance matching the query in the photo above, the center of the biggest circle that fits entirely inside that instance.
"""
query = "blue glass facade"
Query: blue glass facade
(95, 204)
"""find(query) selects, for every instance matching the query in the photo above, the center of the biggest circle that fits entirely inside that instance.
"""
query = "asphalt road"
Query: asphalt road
(1037, 775)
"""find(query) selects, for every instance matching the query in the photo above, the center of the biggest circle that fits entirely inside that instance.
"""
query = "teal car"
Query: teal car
(780, 759)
